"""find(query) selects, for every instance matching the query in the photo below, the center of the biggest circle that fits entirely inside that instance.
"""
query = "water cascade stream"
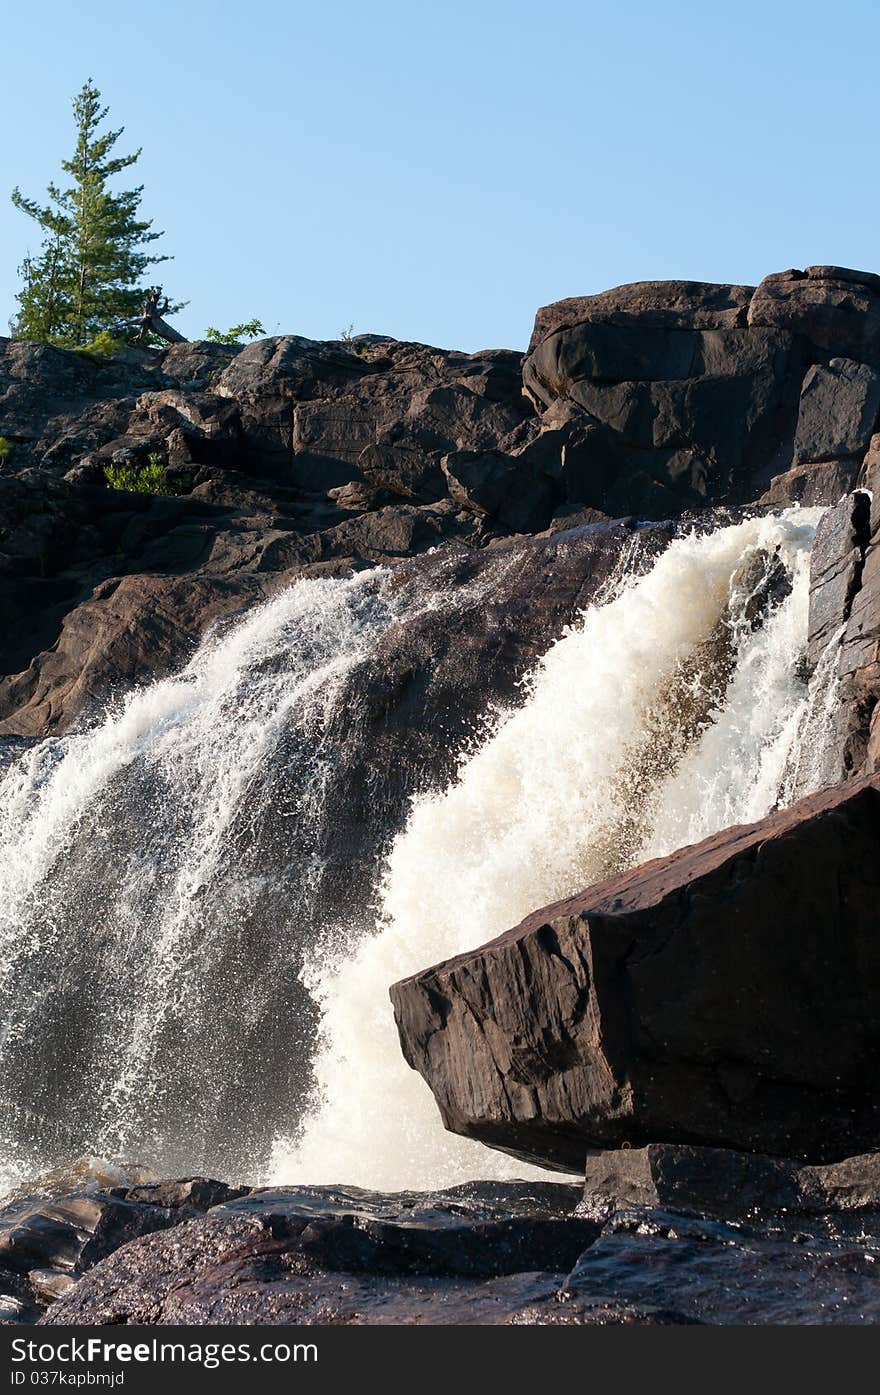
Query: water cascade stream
(176, 983)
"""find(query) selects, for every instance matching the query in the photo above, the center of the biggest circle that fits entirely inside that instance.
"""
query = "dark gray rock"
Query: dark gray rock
(501, 489)
(290, 457)
(700, 413)
(845, 596)
(696, 999)
(680, 1177)
(311, 410)
(860, 661)
(822, 1272)
(838, 411)
(517, 1254)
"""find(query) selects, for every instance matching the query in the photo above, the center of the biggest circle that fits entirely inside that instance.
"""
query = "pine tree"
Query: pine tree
(88, 275)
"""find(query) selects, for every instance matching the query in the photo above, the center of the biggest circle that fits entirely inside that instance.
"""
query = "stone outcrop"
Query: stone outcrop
(697, 999)
(341, 1255)
(658, 304)
(837, 413)
(262, 450)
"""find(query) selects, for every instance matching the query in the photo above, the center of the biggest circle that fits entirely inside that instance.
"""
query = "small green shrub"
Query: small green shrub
(143, 479)
(5, 450)
(104, 345)
(251, 329)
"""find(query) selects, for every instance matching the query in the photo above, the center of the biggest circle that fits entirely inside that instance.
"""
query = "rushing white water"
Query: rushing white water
(135, 861)
(663, 716)
(173, 948)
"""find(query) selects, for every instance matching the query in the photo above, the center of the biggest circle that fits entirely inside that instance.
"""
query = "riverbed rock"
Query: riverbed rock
(696, 999)
(519, 1254)
(817, 1271)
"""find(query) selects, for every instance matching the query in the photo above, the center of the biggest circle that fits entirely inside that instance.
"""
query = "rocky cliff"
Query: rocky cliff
(290, 457)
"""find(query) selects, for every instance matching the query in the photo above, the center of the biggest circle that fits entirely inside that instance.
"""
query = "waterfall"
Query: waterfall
(159, 880)
(192, 974)
(661, 717)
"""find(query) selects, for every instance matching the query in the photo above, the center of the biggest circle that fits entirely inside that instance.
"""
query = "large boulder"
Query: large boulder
(500, 489)
(664, 304)
(836, 308)
(697, 999)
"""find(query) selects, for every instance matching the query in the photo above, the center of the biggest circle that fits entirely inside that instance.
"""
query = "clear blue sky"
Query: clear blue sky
(436, 172)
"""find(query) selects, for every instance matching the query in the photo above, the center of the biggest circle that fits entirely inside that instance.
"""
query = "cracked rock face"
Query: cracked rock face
(845, 608)
(698, 999)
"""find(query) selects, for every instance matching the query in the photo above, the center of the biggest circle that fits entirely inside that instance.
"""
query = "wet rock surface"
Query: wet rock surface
(696, 999)
(798, 1270)
(482, 1253)
(47, 1242)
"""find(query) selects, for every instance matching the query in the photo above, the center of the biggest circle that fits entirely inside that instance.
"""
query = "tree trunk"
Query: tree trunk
(164, 330)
